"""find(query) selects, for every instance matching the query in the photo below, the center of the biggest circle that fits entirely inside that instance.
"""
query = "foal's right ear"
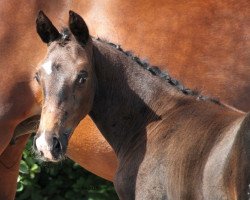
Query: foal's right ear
(45, 29)
(78, 27)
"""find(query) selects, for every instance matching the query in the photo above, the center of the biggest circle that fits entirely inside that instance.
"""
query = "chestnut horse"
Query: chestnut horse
(171, 142)
(209, 38)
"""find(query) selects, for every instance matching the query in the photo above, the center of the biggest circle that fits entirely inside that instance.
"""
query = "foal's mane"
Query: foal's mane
(154, 70)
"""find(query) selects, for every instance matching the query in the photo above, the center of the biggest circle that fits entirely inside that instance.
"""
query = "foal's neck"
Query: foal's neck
(128, 98)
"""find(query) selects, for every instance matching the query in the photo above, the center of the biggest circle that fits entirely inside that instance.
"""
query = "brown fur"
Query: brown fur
(169, 145)
(210, 39)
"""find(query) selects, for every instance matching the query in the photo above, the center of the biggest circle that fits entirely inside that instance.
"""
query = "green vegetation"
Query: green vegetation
(62, 181)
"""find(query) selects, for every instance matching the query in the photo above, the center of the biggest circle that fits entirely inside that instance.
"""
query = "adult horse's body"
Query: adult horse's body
(171, 143)
(206, 45)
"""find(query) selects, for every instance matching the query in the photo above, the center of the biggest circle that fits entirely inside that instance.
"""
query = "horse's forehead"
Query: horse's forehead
(67, 53)
(65, 62)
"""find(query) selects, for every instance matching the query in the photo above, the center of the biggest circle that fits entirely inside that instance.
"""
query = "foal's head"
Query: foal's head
(66, 78)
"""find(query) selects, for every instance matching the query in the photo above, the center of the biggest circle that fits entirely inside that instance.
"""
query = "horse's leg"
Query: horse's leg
(6, 133)
(9, 168)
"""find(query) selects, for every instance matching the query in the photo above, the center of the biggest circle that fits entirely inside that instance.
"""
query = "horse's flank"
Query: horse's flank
(203, 44)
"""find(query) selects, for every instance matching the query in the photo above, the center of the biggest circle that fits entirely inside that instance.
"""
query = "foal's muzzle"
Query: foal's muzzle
(49, 148)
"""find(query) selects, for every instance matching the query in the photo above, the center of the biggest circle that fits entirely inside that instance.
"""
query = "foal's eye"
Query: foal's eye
(81, 78)
(37, 77)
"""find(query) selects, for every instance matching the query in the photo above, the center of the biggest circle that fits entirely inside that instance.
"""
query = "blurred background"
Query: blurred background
(59, 181)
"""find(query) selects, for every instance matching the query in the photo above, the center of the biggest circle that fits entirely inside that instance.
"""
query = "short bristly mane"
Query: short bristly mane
(154, 70)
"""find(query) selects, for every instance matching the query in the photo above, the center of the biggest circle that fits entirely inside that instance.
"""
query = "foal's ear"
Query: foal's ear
(78, 27)
(45, 29)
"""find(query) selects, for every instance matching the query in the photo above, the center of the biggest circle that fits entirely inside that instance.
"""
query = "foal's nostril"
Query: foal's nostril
(56, 145)
(41, 153)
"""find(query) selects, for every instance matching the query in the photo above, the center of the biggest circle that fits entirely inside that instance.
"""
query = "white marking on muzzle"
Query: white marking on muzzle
(47, 66)
(42, 146)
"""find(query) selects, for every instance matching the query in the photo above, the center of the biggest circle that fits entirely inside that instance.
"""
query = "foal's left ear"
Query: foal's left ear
(78, 27)
(45, 29)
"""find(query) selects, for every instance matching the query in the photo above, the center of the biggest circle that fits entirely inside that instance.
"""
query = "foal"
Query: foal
(171, 143)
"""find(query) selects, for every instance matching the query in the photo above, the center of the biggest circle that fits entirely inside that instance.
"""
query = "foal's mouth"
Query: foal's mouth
(53, 158)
